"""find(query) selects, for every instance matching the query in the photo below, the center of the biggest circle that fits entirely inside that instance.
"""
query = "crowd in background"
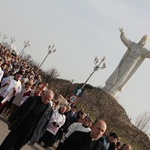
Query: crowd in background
(19, 82)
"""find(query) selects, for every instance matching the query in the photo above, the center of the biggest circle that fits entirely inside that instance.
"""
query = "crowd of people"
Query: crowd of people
(34, 116)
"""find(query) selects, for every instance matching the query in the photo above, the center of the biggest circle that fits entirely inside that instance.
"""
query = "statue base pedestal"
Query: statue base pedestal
(110, 93)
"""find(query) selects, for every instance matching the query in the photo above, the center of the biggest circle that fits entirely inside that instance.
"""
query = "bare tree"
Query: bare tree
(27, 57)
(6, 45)
(142, 122)
(50, 74)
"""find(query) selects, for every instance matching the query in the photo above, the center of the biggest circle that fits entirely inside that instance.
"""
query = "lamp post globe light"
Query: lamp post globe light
(4, 37)
(26, 44)
(51, 49)
(99, 64)
(12, 41)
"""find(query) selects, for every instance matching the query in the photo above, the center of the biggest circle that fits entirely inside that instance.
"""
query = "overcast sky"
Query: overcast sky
(81, 30)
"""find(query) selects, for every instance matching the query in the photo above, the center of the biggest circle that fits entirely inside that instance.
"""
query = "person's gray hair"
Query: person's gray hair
(49, 92)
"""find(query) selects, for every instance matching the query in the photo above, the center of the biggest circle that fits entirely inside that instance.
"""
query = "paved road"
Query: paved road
(4, 131)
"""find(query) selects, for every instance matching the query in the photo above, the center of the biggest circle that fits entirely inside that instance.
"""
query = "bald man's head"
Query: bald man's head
(97, 129)
(47, 96)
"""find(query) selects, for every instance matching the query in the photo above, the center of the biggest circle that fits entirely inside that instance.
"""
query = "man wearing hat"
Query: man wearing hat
(10, 86)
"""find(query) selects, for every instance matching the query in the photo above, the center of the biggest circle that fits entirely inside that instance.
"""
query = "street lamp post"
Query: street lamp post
(22, 54)
(26, 44)
(50, 50)
(4, 37)
(79, 91)
(98, 65)
(65, 95)
(12, 40)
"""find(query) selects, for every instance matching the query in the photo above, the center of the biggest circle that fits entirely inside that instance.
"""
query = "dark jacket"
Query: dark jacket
(18, 117)
(81, 141)
(112, 146)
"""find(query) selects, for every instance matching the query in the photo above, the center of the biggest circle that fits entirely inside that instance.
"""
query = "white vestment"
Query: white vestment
(1, 74)
(7, 86)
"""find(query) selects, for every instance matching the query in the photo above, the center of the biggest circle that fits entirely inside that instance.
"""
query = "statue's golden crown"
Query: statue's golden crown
(145, 37)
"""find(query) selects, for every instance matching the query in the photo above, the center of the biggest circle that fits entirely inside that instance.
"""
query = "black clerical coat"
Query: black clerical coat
(81, 141)
(29, 122)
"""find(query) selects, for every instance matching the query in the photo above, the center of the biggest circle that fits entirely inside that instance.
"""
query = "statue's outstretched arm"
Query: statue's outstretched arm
(145, 53)
(121, 30)
(124, 39)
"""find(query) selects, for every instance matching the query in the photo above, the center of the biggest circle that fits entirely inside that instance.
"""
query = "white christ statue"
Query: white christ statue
(132, 59)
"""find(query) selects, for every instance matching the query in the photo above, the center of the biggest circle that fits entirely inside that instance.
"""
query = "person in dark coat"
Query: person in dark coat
(110, 139)
(86, 140)
(29, 121)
